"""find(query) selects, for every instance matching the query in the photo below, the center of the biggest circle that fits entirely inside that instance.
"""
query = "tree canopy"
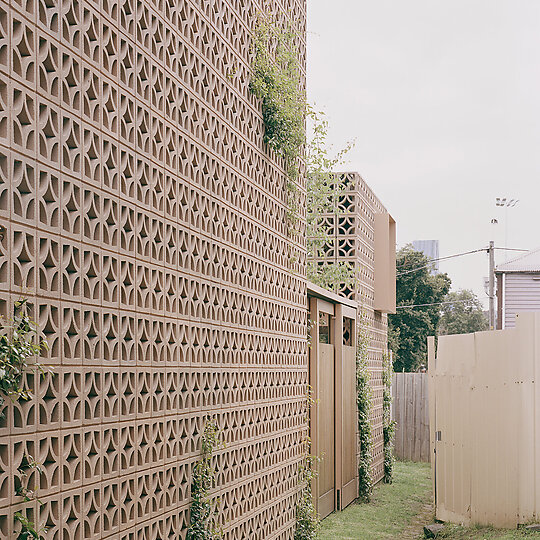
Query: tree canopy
(465, 313)
(409, 327)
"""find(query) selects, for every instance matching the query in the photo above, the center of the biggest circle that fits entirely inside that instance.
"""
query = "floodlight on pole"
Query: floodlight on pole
(506, 203)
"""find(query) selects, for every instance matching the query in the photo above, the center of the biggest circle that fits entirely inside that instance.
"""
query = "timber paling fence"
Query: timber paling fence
(410, 411)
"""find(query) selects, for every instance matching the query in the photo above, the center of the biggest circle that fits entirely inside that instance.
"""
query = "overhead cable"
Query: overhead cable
(453, 256)
(440, 259)
(434, 304)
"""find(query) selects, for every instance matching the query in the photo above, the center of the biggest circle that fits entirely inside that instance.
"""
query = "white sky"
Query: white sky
(443, 100)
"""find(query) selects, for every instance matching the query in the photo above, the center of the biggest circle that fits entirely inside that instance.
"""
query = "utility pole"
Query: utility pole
(491, 252)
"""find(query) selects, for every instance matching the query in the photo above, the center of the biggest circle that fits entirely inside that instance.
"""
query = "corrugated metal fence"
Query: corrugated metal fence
(411, 413)
(484, 411)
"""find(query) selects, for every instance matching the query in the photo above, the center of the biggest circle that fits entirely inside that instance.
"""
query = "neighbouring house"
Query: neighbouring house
(518, 287)
(364, 235)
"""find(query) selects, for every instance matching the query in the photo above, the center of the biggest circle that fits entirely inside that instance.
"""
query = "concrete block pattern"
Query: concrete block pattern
(146, 225)
(352, 231)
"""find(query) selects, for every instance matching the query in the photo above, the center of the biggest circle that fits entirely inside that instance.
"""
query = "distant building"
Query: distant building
(430, 248)
(518, 287)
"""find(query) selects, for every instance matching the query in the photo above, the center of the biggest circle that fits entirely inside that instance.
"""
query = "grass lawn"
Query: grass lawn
(400, 510)
(485, 533)
(392, 507)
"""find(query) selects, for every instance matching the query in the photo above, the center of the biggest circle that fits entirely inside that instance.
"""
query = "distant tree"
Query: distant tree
(465, 314)
(409, 328)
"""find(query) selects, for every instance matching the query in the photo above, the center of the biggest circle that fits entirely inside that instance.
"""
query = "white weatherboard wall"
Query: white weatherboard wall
(521, 292)
(485, 425)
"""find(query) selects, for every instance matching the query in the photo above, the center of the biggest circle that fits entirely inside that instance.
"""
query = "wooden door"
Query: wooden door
(326, 446)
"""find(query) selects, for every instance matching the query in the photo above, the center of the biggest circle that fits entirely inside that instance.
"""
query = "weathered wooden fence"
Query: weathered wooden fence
(411, 413)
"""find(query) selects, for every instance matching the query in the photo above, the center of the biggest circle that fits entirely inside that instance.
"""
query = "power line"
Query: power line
(454, 256)
(510, 249)
(440, 259)
(434, 304)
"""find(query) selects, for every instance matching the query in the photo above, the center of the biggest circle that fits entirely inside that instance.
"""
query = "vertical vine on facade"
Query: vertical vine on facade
(27, 471)
(307, 520)
(203, 521)
(20, 344)
(363, 402)
(388, 423)
(276, 81)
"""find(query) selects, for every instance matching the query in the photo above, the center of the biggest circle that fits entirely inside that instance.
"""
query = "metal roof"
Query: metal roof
(529, 262)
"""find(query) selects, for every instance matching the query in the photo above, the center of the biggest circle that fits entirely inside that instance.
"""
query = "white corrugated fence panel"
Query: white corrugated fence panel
(486, 408)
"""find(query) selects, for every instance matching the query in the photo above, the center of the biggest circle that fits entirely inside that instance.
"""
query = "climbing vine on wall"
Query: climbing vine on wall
(388, 423)
(363, 402)
(20, 344)
(29, 470)
(276, 81)
(203, 522)
(307, 520)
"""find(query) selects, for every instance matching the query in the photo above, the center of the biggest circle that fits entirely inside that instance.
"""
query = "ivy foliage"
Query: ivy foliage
(276, 81)
(28, 529)
(203, 522)
(22, 478)
(20, 342)
(28, 493)
(307, 520)
(388, 423)
(363, 403)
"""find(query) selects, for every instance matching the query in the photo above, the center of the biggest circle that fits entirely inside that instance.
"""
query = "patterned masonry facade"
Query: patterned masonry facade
(145, 224)
(353, 241)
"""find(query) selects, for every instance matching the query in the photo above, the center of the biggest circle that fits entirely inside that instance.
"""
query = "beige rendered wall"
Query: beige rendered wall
(146, 225)
(385, 263)
(484, 410)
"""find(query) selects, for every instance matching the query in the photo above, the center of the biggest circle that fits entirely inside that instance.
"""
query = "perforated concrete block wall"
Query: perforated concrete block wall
(146, 224)
(352, 241)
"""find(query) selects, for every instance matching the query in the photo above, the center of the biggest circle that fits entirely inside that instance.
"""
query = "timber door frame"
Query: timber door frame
(317, 307)
(345, 486)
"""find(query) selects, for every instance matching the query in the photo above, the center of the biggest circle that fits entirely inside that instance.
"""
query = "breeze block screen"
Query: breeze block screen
(145, 222)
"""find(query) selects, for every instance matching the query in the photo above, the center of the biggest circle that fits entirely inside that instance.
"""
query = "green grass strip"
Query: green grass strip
(485, 533)
(391, 509)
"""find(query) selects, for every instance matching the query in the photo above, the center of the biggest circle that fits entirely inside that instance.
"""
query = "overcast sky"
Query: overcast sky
(443, 100)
